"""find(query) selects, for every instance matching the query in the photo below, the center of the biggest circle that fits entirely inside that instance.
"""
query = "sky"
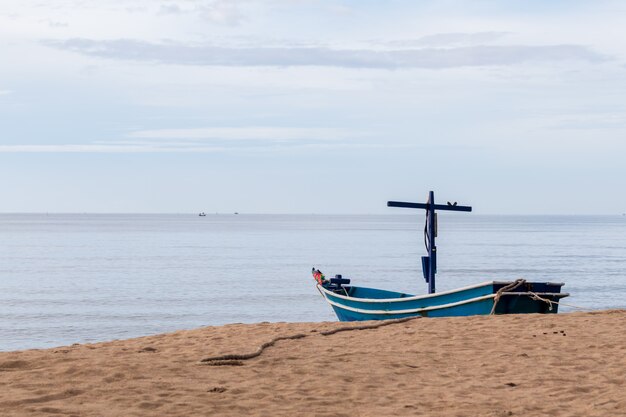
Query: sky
(312, 106)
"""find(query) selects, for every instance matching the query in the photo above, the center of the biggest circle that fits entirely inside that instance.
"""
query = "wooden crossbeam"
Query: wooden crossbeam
(427, 206)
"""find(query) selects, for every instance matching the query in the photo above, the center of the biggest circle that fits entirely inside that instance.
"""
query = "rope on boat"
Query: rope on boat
(508, 287)
(531, 294)
(219, 360)
(536, 297)
(561, 303)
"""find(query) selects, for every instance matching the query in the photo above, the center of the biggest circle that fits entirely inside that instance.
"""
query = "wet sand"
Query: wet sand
(525, 365)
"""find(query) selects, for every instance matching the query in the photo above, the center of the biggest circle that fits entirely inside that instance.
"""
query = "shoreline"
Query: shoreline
(567, 364)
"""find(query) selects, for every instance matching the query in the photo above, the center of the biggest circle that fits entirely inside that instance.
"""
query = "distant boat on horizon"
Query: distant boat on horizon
(203, 214)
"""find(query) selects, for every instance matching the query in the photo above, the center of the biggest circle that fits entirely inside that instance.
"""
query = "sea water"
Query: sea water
(67, 278)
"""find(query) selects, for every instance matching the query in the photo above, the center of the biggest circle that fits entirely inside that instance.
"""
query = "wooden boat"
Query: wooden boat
(360, 303)
(352, 303)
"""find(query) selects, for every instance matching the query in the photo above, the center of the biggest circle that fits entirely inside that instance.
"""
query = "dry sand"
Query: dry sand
(525, 365)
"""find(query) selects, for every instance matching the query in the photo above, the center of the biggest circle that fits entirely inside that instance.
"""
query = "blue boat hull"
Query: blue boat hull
(360, 303)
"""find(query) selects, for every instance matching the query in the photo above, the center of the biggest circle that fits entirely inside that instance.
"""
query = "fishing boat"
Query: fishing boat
(352, 303)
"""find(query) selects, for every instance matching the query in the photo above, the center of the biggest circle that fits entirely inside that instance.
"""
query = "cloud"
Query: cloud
(434, 58)
(166, 9)
(54, 23)
(449, 39)
(223, 139)
(104, 148)
(149, 147)
(224, 12)
(588, 121)
(275, 134)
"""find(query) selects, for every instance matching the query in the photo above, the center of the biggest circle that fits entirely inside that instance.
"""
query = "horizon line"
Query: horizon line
(232, 213)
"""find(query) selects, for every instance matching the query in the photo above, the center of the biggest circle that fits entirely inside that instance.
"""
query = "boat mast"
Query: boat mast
(429, 263)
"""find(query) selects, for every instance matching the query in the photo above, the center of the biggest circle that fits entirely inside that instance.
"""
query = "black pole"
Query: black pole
(429, 263)
(432, 248)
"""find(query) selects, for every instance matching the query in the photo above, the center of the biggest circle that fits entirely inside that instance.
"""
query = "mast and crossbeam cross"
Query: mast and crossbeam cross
(429, 263)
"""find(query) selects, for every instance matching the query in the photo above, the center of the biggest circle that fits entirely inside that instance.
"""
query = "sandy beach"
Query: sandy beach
(526, 365)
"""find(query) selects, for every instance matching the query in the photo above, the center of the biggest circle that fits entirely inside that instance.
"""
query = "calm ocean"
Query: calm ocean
(67, 278)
